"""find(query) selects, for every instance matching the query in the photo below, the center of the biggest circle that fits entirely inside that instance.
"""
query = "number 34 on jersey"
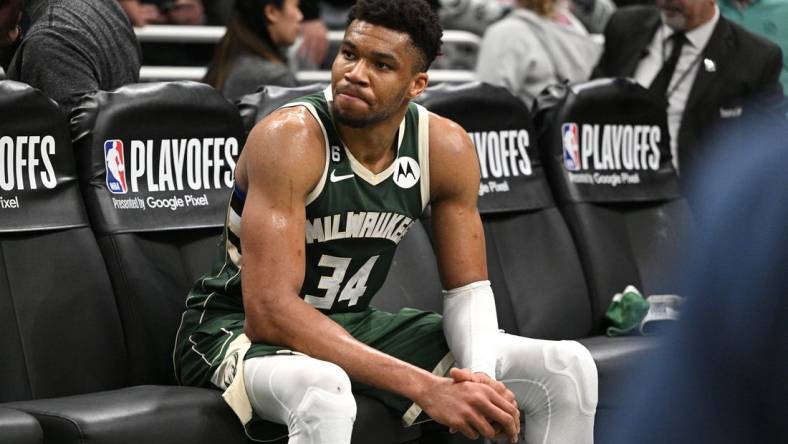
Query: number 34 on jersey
(355, 287)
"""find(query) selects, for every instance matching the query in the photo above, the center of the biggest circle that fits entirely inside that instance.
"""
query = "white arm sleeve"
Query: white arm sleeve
(470, 325)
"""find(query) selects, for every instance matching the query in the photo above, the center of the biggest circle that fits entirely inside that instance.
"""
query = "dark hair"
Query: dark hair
(246, 32)
(413, 17)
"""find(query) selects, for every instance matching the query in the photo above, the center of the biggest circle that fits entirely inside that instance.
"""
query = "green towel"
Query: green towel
(626, 311)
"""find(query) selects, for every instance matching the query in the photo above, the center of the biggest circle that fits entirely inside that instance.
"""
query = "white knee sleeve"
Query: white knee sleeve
(323, 417)
(573, 361)
(312, 397)
(555, 383)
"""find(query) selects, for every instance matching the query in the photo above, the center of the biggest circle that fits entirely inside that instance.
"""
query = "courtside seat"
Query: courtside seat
(532, 261)
(59, 328)
(65, 358)
(140, 414)
(606, 149)
(156, 163)
(17, 427)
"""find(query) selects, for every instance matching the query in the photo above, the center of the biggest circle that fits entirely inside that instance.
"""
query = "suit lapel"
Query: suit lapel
(715, 51)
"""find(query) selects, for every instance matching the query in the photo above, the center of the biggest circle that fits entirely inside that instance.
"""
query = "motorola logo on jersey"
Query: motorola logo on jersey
(116, 167)
(611, 147)
(26, 163)
(170, 165)
(503, 154)
(406, 172)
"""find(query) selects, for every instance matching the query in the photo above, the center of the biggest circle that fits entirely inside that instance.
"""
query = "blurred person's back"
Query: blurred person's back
(72, 47)
(540, 43)
(722, 376)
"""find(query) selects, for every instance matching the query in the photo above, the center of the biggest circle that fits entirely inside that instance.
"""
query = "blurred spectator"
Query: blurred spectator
(705, 67)
(164, 12)
(722, 377)
(767, 18)
(250, 54)
(314, 46)
(68, 47)
(594, 14)
(169, 12)
(315, 51)
(538, 44)
(472, 15)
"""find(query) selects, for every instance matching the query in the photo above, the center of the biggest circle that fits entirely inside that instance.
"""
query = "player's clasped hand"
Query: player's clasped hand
(460, 375)
(474, 404)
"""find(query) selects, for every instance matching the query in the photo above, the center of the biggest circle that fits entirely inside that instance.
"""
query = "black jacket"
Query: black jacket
(745, 78)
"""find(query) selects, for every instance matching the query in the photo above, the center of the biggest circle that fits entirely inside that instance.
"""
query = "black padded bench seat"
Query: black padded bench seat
(616, 360)
(18, 427)
(158, 414)
(133, 415)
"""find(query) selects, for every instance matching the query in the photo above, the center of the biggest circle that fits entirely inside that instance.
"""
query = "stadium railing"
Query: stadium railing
(212, 35)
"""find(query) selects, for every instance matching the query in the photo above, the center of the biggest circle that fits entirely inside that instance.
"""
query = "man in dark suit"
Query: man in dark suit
(708, 69)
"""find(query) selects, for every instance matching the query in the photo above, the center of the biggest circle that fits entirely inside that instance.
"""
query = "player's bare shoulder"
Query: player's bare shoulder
(289, 140)
(453, 159)
(448, 137)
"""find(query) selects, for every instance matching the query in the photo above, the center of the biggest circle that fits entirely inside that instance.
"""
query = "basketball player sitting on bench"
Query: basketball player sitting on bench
(324, 190)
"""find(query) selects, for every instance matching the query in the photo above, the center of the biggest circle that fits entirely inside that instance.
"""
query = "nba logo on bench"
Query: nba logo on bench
(116, 167)
(569, 135)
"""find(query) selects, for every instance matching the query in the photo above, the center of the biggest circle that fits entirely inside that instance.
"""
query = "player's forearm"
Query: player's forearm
(299, 326)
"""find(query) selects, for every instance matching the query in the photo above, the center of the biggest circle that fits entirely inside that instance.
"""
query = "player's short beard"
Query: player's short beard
(357, 122)
(365, 121)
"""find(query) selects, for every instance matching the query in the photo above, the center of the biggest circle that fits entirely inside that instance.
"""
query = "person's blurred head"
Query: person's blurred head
(10, 11)
(274, 21)
(259, 27)
(686, 15)
(544, 8)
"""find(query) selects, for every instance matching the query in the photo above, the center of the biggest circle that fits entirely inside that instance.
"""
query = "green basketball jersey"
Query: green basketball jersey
(354, 219)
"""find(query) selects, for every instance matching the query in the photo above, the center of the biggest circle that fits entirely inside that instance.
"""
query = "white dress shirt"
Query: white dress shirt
(690, 60)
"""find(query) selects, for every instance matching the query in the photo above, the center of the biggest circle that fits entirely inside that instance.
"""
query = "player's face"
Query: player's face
(686, 15)
(373, 76)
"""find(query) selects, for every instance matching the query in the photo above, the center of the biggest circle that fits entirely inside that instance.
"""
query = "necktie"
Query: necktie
(660, 84)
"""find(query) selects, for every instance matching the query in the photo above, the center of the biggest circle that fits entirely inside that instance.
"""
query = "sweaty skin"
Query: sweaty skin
(373, 79)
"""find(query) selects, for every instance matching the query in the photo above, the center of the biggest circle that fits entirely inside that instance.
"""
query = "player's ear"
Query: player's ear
(418, 84)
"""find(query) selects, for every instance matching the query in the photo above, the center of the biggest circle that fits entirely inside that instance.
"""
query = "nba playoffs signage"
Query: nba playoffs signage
(38, 187)
(502, 132)
(610, 155)
(607, 141)
(503, 158)
(156, 156)
(153, 180)
(26, 164)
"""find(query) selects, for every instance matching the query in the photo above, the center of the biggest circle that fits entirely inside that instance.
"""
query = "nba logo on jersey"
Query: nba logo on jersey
(569, 136)
(116, 167)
